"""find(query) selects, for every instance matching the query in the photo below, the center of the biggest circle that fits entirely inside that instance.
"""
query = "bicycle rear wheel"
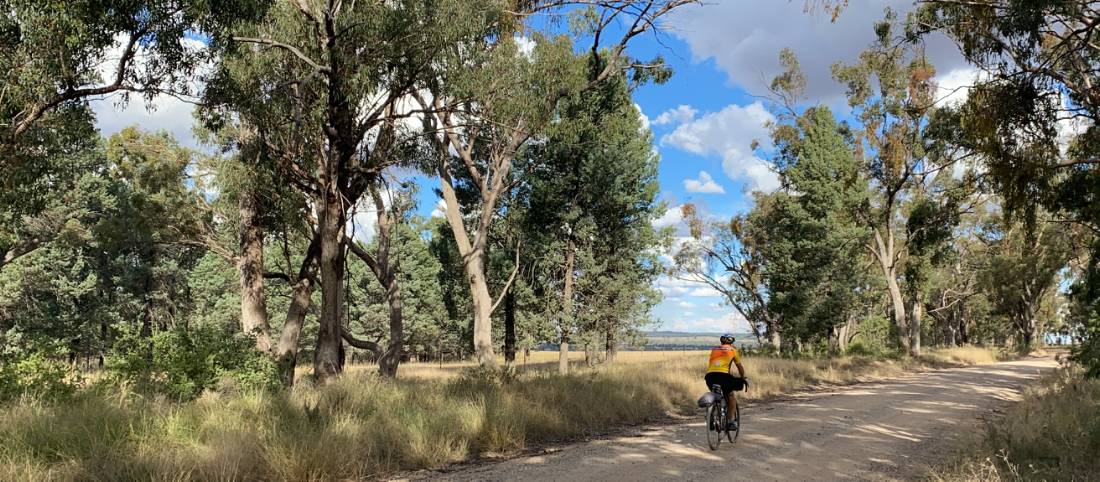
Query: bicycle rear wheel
(714, 426)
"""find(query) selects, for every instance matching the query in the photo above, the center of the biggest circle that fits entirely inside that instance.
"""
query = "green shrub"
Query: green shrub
(37, 376)
(877, 337)
(1087, 353)
(181, 363)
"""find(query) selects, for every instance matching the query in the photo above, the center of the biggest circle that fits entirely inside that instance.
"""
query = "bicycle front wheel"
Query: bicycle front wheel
(714, 426)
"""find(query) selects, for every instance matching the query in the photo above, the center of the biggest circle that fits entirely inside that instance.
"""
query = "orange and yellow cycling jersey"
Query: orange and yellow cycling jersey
(721, 358)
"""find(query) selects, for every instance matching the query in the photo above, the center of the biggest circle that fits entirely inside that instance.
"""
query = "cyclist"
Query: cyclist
(718, 372)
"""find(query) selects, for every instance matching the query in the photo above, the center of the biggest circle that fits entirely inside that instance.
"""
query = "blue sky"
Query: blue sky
(703, 119)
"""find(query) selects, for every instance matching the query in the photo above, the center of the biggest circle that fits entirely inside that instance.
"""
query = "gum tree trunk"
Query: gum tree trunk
(915, 326)
(611, 347)
(510, 327)
(250, 268)
(884, 254)
(391, 358)
(286, 352)
(328, 356)
(566, 317)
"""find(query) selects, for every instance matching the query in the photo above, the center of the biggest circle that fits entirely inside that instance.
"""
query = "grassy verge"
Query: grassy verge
(362, 427)
(1052, 434)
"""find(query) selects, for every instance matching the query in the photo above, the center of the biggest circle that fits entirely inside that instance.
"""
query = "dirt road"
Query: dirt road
(883, 430)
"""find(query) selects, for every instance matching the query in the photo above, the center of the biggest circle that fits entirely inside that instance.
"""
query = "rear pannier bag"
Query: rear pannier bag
(710, 398)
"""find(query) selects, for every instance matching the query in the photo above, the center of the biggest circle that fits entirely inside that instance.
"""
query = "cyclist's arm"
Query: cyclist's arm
(741, 370)
(737, 363)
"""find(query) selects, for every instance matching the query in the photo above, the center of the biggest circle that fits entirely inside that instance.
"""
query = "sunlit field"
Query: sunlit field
(537, 361)
(362, 427)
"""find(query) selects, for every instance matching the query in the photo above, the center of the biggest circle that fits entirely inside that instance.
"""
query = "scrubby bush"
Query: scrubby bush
(1087, 353)
(35, 375)
(181, 363)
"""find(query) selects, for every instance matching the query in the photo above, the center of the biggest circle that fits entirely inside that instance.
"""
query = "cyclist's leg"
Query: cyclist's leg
(731, 404)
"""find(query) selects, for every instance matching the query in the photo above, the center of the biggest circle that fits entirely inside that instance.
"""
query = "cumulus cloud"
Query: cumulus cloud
(672, 217)
(161, 113)
(704, 292)
(705, 184)
(363, 224)
(677, 115)
(729, 133)
(1069, 127)
(952, 88)
(641, 116)
(744, 40)
(440, 208)
(674, 287)
(525, 44)
(728, 322)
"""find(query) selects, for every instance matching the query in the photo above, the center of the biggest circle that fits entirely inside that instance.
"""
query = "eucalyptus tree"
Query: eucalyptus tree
(955, 301)
(892, 93)
(591, 190)
(811, 240)
(258, 225)
(725, 257)
(419, 271)
(54, 51)
(321, 87)
(1020, 270)
(55, 56)
(1032, 118)
(483, 111)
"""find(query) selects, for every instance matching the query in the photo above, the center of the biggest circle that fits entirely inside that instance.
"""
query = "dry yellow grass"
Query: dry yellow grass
(362, 427)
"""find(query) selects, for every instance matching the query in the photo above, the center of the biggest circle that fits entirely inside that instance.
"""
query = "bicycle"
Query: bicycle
(717, 417)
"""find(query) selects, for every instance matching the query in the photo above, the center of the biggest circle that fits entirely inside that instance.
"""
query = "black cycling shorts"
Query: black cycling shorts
(729, 383)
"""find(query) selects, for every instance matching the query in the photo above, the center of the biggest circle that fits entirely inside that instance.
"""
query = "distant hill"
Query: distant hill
(675, 340)
(678, 334)
(680, 340)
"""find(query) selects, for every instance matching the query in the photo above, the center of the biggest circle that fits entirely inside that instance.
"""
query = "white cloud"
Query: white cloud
(727, 322)
(363, 224)
(953, 87)
(704, 292)
(705, 184)
(677, 115)
(674, 287)
(1070, 127)
(161, 113)
(440, 208)
(729, 133)
(744, 40)
(642, 117)
(685, 304)
(672, 217)
(525, 44)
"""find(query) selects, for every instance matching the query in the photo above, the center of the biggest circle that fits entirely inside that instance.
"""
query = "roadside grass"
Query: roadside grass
(1053, 433)
(361, 427)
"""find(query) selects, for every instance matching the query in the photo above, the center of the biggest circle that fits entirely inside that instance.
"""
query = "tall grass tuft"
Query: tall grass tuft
(360, 426)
